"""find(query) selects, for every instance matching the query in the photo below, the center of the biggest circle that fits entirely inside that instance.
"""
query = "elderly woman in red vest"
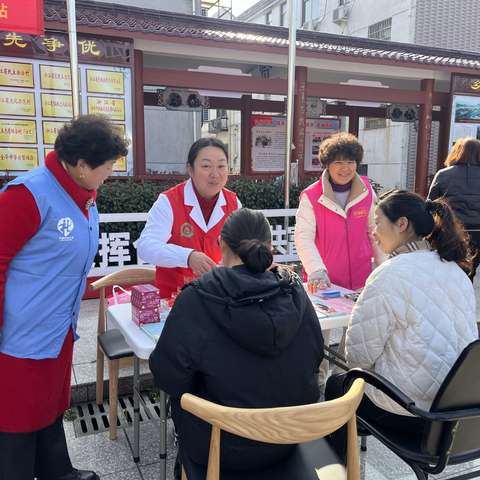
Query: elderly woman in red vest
(183, 226)
(334, 220)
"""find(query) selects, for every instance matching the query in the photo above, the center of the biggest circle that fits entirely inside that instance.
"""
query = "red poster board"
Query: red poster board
(22, 16)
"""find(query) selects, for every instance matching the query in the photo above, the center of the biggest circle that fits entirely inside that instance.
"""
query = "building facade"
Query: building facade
(130, 57)
(453, 24)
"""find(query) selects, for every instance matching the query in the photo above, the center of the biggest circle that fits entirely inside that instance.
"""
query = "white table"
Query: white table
(120, 317)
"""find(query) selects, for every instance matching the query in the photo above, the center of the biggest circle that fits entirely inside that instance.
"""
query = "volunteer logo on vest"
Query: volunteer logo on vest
(186, 230)
(65, 227)
(361, 212)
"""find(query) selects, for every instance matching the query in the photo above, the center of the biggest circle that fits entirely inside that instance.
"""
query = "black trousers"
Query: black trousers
(42, 454)
(370, 412)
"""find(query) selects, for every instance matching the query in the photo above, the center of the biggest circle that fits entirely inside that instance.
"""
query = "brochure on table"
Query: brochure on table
(332, 307)
(153, 330)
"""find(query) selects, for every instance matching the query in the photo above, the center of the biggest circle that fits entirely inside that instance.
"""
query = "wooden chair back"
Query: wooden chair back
(285, 425)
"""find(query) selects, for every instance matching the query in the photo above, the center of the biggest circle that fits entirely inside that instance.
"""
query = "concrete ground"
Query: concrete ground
(112, 460)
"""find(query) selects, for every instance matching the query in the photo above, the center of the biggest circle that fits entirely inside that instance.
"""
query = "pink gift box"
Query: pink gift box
(144, 315)
(145, 296)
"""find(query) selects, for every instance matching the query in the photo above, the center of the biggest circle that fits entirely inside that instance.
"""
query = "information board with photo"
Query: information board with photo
(36, 101)
(465, 121)
(316, 131)
(269, 135)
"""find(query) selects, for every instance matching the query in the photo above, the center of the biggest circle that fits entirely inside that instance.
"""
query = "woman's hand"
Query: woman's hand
(200, 263)
(318, 280)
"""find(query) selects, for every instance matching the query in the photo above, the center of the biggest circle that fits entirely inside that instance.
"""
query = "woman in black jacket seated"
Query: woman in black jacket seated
(240, 336)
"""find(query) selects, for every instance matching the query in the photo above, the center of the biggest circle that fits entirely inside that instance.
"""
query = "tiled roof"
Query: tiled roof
(136, 20)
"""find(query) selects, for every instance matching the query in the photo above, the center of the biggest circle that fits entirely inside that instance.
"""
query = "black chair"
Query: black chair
(452, 431)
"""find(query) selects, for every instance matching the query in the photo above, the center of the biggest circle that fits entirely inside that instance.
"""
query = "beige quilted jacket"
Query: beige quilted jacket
(411, 322)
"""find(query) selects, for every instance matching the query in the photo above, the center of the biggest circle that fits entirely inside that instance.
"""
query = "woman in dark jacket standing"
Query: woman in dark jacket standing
(459, 183)
(240, 336)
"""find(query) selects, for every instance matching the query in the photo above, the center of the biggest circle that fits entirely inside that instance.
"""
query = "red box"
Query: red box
(144, 315)
(145, 296)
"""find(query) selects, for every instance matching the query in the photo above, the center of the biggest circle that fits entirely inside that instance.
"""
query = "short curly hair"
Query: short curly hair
(92, 138)
(341, 144)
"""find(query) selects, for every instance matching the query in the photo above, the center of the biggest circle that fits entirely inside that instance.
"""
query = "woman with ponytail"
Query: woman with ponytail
(243, 335)
(417, 311)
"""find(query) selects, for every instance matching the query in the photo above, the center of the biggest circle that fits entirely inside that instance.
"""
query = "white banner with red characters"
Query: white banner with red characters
(117, 250)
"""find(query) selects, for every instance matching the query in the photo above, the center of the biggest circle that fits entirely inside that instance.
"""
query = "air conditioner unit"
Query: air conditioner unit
(181, 100)
(218, 125)
(402, 113)
(316, 107)
(341, 14)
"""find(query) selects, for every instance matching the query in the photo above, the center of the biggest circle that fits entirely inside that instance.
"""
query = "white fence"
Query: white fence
(114, 248)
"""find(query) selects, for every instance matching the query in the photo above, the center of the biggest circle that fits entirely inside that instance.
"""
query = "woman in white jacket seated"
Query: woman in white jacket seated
(417, 311)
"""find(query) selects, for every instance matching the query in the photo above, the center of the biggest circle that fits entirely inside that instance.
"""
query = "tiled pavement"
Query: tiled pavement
(112, 460)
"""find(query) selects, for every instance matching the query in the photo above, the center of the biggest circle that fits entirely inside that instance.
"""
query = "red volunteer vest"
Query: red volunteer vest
(186, 233)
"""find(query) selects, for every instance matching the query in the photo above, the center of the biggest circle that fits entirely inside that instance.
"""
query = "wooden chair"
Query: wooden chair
(286, 425)
(110, 343)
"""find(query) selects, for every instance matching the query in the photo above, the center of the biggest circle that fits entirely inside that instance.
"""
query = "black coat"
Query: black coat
(460, 185)
(241, 340)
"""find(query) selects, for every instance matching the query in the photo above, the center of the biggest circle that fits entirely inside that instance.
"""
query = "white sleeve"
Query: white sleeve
(305, 231)
(152, 246)
(369, 327)
(239, 204)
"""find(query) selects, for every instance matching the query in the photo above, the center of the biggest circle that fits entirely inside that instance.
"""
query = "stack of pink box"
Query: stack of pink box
(145, 304)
